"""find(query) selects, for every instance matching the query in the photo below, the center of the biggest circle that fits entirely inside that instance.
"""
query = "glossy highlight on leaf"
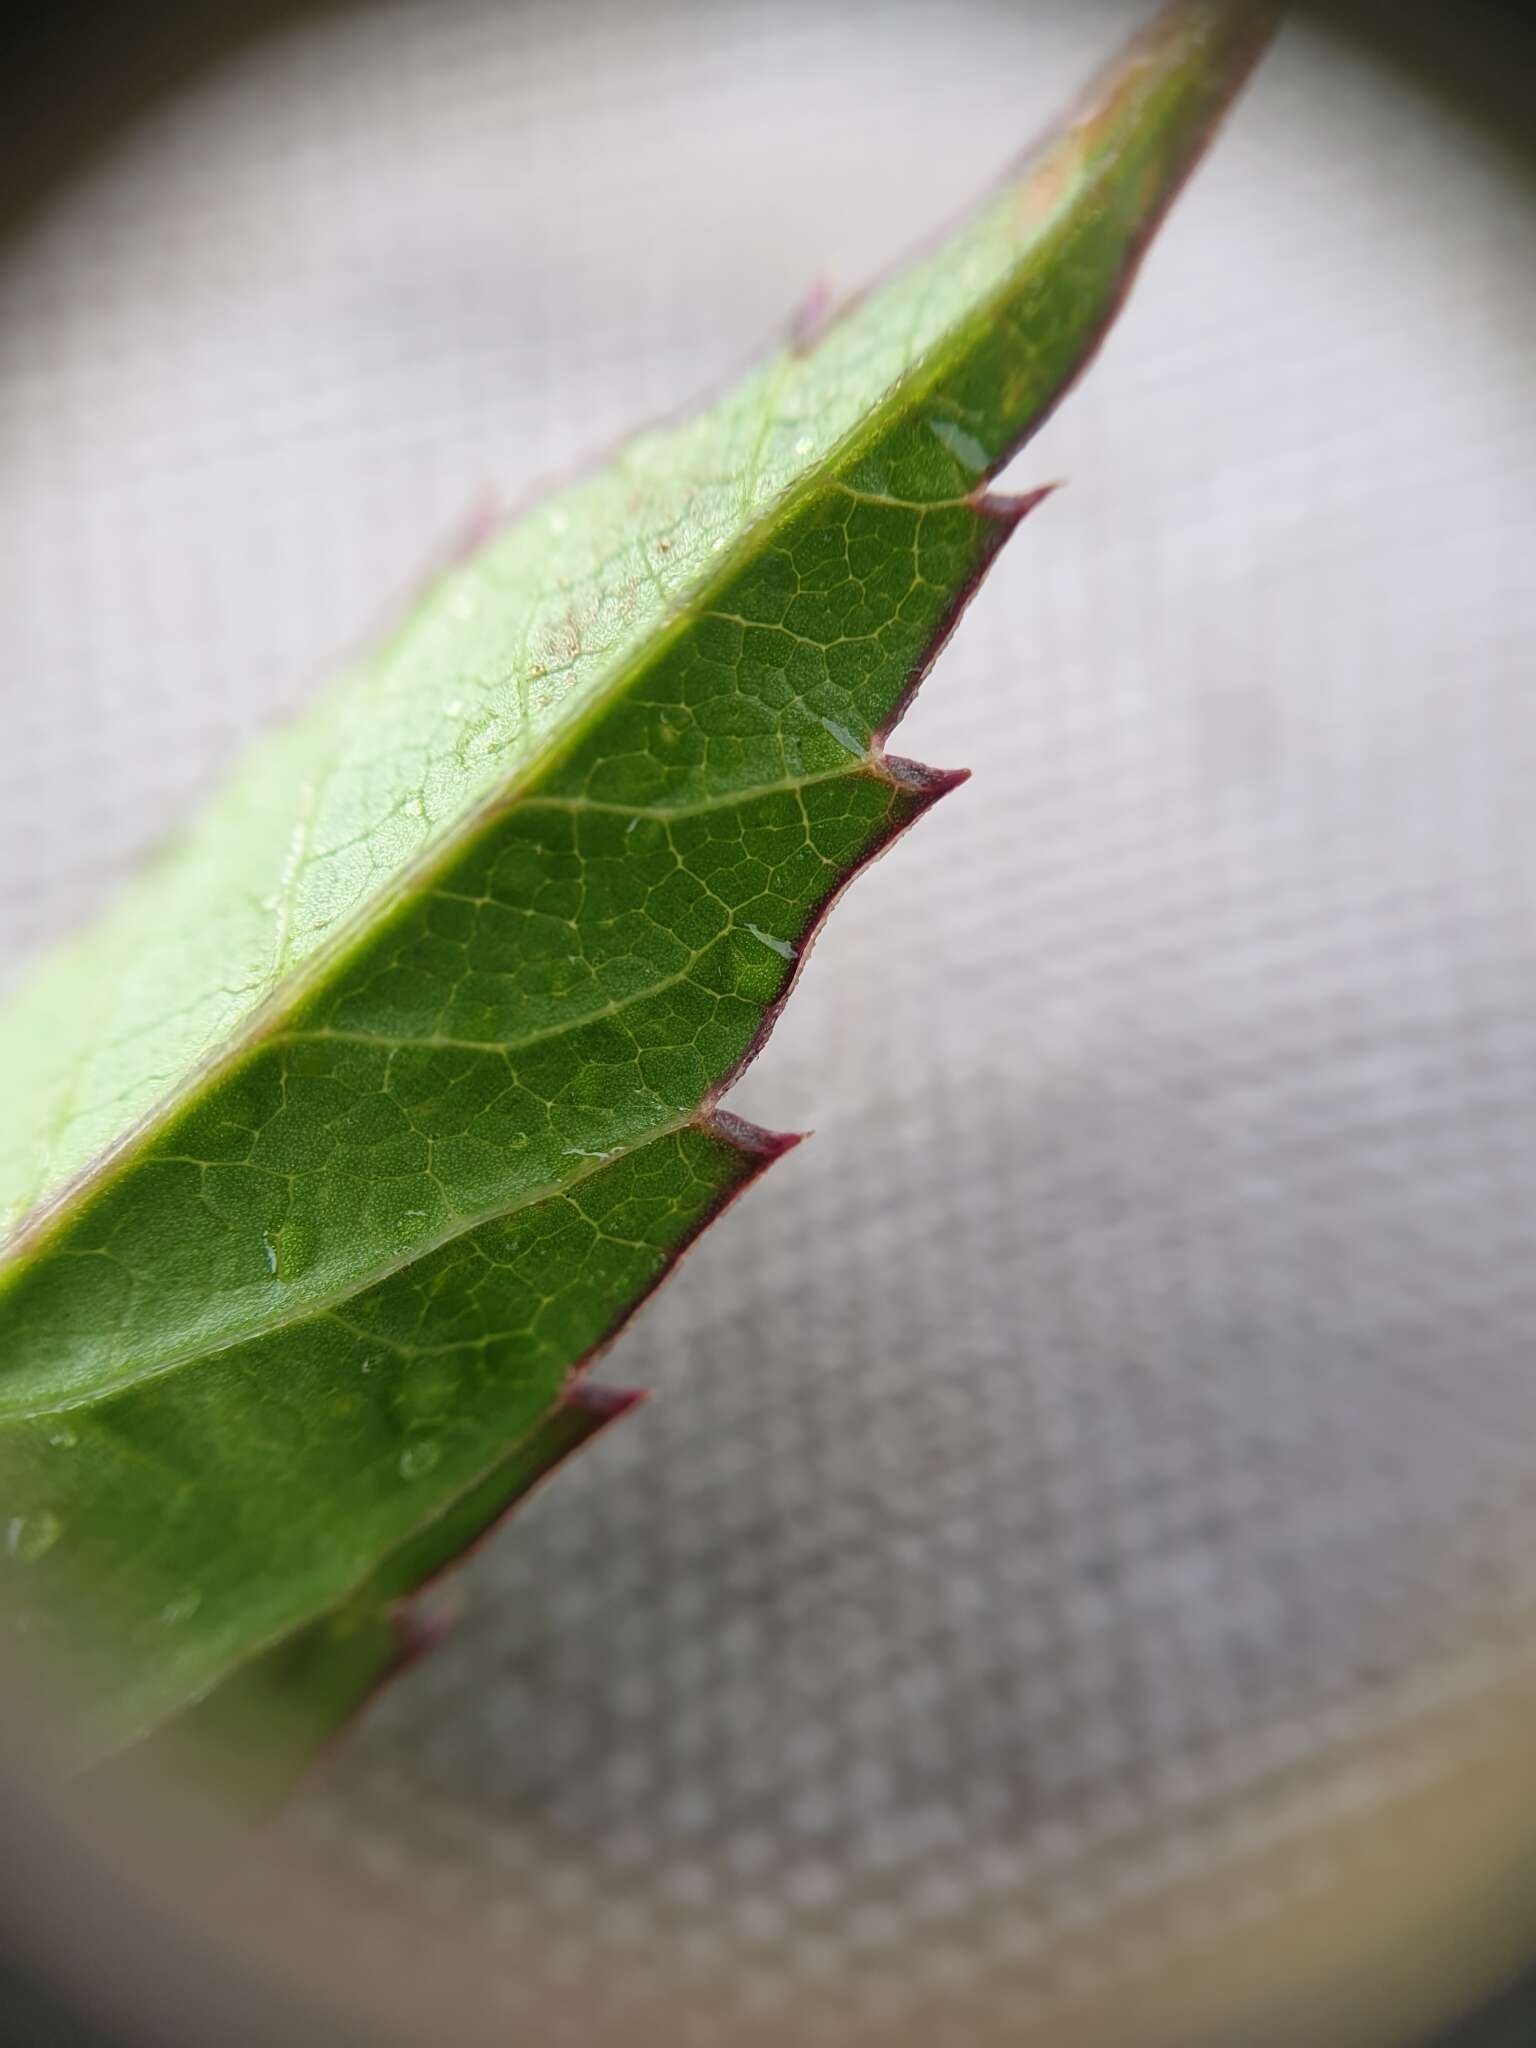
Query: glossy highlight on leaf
(386, 1095)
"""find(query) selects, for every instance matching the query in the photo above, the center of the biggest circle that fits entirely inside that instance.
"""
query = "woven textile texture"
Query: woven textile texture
(1100, 1470)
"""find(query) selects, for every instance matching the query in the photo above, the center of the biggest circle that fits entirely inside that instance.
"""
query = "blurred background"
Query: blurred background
(1075, 1582)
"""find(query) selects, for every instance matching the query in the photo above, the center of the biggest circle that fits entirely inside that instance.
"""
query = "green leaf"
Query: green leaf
(254, 1733)
(390, 1090)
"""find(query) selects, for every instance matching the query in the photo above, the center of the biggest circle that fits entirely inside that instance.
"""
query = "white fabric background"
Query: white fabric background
(1079, 1467)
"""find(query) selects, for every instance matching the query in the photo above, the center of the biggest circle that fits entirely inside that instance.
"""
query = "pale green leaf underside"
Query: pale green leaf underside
(388, 1091)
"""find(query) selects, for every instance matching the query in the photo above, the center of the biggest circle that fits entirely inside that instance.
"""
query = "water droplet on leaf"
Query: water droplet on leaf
(287, 1250)
(29, 1537)
(845, 738)
(965, 448)
(782, 947)
(418, 1458)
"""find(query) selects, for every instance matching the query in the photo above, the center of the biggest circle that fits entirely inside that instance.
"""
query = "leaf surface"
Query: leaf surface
(391, 1089)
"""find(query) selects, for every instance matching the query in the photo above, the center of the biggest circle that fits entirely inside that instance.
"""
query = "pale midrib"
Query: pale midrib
(317, 1306)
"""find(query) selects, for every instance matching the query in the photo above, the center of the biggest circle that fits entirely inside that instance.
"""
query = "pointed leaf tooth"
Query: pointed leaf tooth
(811, 317)
(992, 530)
(417, 1624)
(752, 1140)
(915, 790)
(929, 784)
(600, 1403)
(1008, 508)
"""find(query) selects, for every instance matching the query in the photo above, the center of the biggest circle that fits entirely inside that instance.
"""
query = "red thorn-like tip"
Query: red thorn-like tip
(928, 784)
(747, 1137)
(602, 1404)
(483, 519)
(419, 1626)
(811, 318)
(1009, 507)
